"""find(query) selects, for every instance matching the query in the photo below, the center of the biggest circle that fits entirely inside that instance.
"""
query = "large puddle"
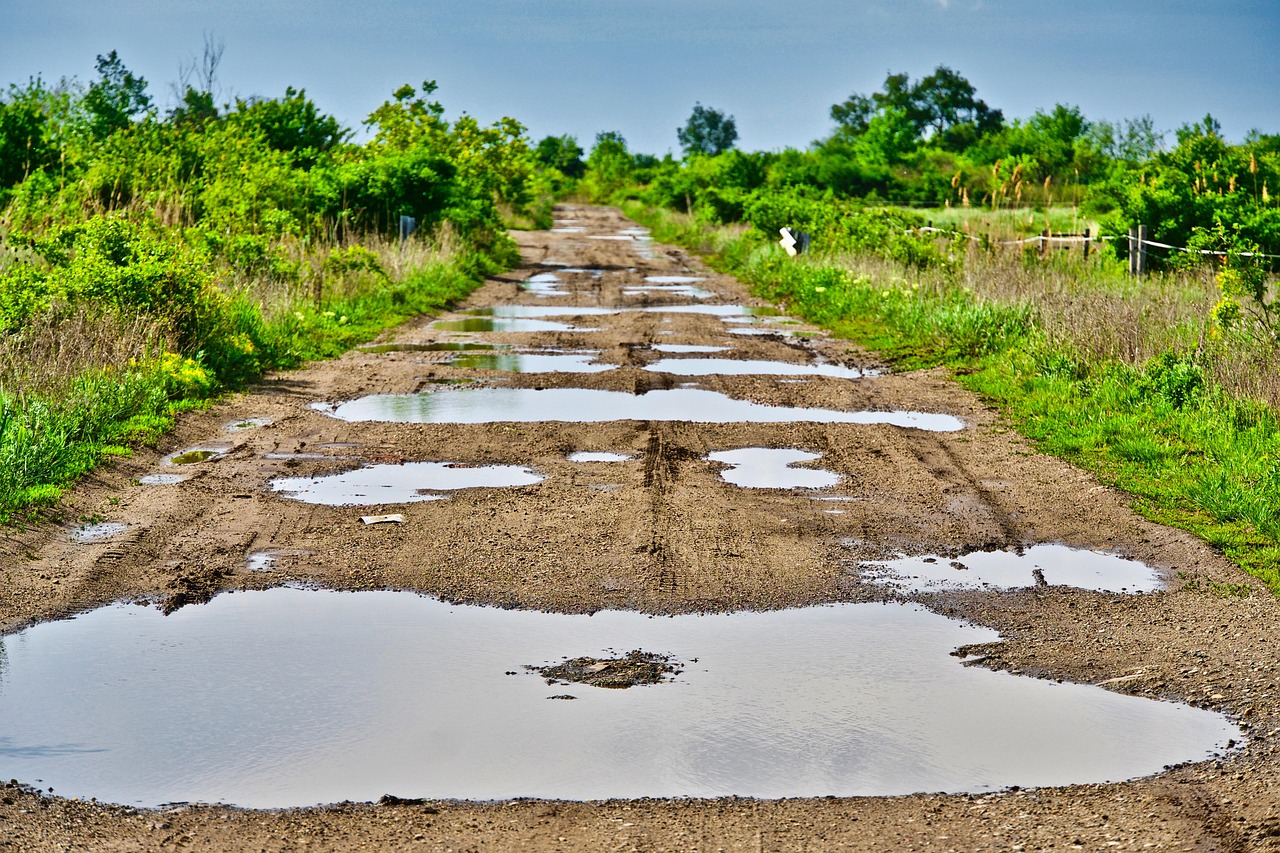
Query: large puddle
(751, 367)
(290, 697)
(409, 482)
(1037, 565)
(581, 405)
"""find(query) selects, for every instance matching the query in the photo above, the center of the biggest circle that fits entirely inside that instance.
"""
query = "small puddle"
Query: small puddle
(771, 468)
(247, 423)
(87, 533)
(504, 324)
(756, 330)
(442, 346)
(543, 284)
(674, 279)
(669, 290)
(410, 482)
(292, 697)
(568, 229)
(598, 456)
(194, 455)
(161, 479)
(746, 367)
(1054, 565)
(687, 348)
(534, 362)
(582, 405)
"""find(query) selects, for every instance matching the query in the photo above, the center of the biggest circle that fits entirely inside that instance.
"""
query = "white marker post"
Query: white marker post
(788, 241)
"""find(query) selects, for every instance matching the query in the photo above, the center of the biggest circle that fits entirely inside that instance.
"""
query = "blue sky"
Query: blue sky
(638, 66)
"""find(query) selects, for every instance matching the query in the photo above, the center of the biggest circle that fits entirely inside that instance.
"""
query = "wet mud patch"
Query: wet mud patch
(635, 667)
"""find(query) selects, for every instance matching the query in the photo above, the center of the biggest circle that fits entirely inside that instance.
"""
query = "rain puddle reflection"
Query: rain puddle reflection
(534, 362)
(86, 533)
(544, 288)
(291, 697)
(598, 456)
(194, 455)
(410, 482)
(771, 468)
(581, 405)
(1037, 565)
(687, 348)
(445, 346)
(247, 423)
(746, 367)
(504, 324)
(161, 479)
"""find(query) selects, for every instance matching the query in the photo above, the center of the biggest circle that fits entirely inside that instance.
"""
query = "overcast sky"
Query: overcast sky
(638, 66)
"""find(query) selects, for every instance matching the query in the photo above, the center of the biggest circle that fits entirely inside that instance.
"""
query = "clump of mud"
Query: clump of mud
(635, 667)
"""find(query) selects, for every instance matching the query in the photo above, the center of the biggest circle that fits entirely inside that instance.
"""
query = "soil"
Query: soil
(664, 534)
(633, 668)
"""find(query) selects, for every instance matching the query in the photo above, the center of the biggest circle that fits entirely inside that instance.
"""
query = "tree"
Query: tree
(941, 106)
(562, 153)
(115, 98)
(292, 124)
(708, 131)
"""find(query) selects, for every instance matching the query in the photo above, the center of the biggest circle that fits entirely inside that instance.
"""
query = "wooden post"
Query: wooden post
(1133, 250)
(1142, 250)
(1044, 242)
(1086, 244)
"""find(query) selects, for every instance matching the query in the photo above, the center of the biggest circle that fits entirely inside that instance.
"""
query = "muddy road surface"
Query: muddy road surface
(614, 427)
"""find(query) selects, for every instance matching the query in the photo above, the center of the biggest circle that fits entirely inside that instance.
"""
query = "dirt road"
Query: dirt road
(664, 533)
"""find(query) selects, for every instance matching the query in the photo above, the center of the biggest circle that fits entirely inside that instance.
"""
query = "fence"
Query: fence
(1138, 240)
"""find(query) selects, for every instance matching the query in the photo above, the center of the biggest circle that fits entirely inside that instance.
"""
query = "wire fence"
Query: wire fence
(1137, 242)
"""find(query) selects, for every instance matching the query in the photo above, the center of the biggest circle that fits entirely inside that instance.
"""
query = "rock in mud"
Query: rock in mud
(635, 667)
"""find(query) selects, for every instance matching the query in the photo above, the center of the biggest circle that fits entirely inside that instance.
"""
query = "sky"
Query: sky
(639, 66)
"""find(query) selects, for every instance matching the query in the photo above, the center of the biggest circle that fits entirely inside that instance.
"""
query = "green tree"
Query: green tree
(115, 98)
(292, 124)
(942, 106)
(708, 131)
(562, 153)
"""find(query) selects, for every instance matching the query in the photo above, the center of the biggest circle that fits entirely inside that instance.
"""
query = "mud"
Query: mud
(664, 534)
(618, 673)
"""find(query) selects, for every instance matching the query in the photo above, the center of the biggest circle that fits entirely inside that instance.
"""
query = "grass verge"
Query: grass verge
(1191, 452)
(85, 379)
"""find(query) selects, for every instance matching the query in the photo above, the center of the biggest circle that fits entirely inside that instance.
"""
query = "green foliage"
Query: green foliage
(942, 104)
(562, 153)
(233, 231)
(708, 131)
(1191, 456)
(292, 124)
(115, 98)
(609, 166)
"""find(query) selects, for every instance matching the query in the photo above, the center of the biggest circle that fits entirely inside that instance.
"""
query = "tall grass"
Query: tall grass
(83, 379)
(1126, 378)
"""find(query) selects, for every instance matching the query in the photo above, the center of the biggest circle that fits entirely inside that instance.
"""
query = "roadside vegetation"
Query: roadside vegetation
(925, 208)
(149, 261)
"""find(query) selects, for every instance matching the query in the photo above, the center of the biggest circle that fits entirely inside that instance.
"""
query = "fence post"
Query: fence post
(1044, 242)
(1133, 250)
(1144, 234)
(1086, 244)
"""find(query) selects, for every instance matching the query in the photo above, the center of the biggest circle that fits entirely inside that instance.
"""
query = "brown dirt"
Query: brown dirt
(664, 534)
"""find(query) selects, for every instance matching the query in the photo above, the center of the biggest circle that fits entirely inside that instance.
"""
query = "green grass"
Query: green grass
(1191, 455)
(50, 439)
